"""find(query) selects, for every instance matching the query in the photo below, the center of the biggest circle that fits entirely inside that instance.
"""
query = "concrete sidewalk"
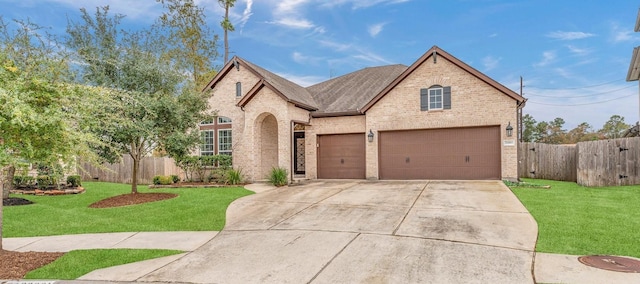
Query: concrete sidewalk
(185, 241)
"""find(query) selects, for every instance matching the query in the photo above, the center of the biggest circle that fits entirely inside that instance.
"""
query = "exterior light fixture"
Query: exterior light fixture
(509, 130)
(370, 136)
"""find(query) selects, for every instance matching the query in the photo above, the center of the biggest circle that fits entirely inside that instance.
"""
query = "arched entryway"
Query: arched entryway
(267, 144)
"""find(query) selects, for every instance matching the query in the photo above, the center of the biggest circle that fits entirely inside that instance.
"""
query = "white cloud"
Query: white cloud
(302, 80)
(490, 62)
(300, 58)
(569, 35)
(493, 35)
(359, 4)
(621, 34)
(578, 51)
(295, 23)
(335, 45)
(246, 14)
(290, 13)
(375, 29)
(547, 58)
(370, 57)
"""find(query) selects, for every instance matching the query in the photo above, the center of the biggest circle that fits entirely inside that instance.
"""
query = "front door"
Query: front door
(298, 150)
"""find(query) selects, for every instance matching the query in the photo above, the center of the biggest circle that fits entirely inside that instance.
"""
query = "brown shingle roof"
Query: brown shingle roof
(291, 90)
(350, 92)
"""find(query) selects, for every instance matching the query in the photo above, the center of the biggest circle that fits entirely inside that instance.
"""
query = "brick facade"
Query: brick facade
(263, 127)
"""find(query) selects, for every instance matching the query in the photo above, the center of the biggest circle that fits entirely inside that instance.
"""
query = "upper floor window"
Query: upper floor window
(435, 98)
(238, 89)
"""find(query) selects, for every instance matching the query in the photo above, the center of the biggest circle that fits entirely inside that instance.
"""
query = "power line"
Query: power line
(575, 88)
(583, 96)
(584, 104)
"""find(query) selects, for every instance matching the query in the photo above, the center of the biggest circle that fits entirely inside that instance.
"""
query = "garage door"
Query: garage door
(341, 156)
(455, 153)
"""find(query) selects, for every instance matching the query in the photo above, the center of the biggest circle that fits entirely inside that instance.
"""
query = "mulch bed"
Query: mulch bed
(16, 264)
(13, 201)
(132, 199)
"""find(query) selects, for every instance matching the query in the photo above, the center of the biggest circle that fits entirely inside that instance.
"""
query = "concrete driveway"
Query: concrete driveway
(368, 232)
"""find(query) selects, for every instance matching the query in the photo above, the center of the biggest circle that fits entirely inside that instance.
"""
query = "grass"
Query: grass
(196, 209)
(578, 220)
(80, 262)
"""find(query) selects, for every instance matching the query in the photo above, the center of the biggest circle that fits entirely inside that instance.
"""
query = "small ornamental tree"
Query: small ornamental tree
(154, 97)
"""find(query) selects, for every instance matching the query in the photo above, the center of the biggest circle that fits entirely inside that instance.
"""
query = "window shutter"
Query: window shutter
(446, 98)
(238, 89)
(424, 99)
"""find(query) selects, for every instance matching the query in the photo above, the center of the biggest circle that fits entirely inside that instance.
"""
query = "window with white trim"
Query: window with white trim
(224, 142)
(207, 121)
(207, 148)
(224, 120)
(435, 98)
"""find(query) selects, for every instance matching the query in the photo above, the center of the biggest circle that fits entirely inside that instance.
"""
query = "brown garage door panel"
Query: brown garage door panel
(456, 153)
(341, 156)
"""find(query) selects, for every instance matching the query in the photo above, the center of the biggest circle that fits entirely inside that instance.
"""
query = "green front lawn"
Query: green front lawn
(195, 209)
(80, 262)
(578, 220)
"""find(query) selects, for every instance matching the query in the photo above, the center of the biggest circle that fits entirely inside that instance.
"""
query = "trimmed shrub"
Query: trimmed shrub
(45, 181)
(28, 181)
(234, 176)
(162, 180)
(74, 181)
(278, 176)
(17, 181)
(175, 178)
(156, 180)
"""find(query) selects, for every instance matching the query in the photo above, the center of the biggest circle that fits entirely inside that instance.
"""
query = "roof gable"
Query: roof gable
(350, 92)
(264, 83)
(290, 91)
(439, 54)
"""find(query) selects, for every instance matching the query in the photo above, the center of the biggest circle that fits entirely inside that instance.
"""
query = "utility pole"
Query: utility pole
(520, 111)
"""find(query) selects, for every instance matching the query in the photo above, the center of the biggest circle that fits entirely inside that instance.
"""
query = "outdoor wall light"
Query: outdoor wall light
(509, 130)
(370, 136)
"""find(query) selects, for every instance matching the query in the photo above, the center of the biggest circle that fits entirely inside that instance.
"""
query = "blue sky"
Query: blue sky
(573, 55)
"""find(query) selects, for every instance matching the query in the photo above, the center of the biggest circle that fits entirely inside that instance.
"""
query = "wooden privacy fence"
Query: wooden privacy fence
(547, 161)
(593, 163)
(609, 162)
(121, 172)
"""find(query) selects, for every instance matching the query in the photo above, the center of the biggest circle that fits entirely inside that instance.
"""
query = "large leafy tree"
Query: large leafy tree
(190, 43)
(156, 100)
(43, 117)
(529, 133)
(614, 127)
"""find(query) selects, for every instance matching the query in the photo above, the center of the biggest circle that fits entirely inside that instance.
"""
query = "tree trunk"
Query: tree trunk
(226, 31)
(2, 184)
(7, 180)
(134, 177)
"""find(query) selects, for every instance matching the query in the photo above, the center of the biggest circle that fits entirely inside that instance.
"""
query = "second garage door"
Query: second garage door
(456, 153)
(341, 156)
